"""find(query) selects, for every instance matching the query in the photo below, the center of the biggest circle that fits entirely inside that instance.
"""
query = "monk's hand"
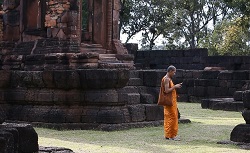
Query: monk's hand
(177, 85)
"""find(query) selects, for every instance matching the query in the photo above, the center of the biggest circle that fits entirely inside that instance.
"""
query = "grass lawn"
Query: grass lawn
(207, 128)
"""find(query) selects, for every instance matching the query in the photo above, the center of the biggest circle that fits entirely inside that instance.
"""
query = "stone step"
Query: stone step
(134, 74)
(97, 50)
(226, 104)
(135, 82)
(106, 55)
(85, 45)
(116, 65)
(109, 59)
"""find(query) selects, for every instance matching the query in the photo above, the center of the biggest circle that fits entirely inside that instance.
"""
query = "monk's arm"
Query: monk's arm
(167, 89)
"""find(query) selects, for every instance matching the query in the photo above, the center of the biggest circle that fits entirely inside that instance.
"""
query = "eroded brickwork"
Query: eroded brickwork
(61, 19)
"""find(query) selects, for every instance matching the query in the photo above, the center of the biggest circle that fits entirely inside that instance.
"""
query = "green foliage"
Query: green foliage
(182, 23)
(228, 38)
(242, 6)
(148, 16)
(193, 18)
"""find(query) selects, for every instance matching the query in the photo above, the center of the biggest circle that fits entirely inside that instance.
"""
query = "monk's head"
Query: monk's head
(171, 71)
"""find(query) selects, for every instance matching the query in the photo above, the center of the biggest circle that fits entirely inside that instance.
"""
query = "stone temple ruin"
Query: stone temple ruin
(62, 66)
(217, 82)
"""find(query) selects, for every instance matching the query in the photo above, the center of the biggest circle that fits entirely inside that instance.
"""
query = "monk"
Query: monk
(170, 112)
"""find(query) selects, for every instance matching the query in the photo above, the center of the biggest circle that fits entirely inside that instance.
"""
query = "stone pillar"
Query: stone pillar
(1, 27)
(117, 46)
(11, 20)
(241, 132)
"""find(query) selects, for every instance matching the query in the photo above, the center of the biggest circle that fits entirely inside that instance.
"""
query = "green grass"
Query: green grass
(207, 128)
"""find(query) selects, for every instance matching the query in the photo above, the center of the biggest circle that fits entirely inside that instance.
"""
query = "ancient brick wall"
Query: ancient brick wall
(11, 18)
(38, 55)
(87, 99)
(229, 62)
(1, 27)
(196, 59)
(62, 19)
(161, 59)
(84, 99)
(197, 84)
(18, 138)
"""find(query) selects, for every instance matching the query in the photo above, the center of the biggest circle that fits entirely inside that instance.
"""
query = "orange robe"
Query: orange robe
(171, 115)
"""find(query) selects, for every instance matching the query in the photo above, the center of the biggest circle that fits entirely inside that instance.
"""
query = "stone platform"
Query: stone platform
(81, 99)
(56, 54)
(21, 138)
(103, 127)
(227, 104)
(241, 132)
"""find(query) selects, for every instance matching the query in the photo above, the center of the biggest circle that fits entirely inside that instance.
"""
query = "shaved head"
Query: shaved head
(171, 68)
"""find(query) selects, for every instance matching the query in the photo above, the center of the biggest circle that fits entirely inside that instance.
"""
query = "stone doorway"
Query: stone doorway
(34, 17)
(86, 20)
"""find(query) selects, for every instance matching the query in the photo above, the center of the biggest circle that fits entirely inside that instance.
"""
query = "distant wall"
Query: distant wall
(193, 59)
(197, 84)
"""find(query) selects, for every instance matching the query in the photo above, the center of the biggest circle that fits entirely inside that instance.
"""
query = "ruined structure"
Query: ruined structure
(241, 132)
(61, 34)
(63, 66)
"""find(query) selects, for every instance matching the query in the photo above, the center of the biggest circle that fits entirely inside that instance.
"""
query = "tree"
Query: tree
(241, 6)
(231, 36)
(193, 18)
(160, 20)
(133, 17)
(228, 38)
(182, 23)
(149, 17)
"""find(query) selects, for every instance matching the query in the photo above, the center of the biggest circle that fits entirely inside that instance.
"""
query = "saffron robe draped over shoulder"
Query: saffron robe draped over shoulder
(171, 115)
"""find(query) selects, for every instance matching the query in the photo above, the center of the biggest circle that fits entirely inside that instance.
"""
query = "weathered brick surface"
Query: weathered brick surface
(240, 133)
(6, 142)
(111, 116)
(2, 116)
(28, 139)
(15, 136)
(66, 79)
(199, 91)
(211, 92)
(137, 113)
(246, 115)
(78, 96)
(246, 99)
(105, 97)
(147, 99)
(240, 75)
(152, 78)
(48, 79)
(135, 82)
(182, 59)
(129, 98)
(228, 106)
(5, 78)
(238, 95)
(153, 112)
